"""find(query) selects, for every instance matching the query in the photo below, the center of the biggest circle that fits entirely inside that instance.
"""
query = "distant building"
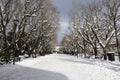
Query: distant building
(57, 49)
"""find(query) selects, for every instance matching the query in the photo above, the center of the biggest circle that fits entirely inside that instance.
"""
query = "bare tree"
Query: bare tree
(112, 12)
(26, 26)
(92, 26)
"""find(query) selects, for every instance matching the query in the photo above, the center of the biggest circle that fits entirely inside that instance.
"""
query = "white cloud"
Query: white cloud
(62, 31)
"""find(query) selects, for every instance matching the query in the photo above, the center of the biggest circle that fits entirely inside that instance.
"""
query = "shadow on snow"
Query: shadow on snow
(26, 73)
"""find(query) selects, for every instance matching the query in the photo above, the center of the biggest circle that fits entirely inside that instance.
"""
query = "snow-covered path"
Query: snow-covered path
(61, 67)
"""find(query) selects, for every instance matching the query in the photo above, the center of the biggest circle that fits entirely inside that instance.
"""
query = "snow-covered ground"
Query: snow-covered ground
(61, 67)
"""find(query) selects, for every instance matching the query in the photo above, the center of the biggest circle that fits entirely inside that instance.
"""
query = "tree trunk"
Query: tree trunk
(105, 54)
(95, 51)
(117, 44)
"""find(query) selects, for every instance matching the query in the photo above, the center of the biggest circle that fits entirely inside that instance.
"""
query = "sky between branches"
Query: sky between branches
(65, 7)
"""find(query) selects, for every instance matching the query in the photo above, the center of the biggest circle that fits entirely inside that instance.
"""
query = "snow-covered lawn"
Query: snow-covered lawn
(61, 67)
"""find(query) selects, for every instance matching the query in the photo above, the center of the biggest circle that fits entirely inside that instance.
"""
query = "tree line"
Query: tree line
(94, 26)
(27, 27)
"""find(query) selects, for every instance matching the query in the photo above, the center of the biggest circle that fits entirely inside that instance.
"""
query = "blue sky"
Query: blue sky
(64, 7)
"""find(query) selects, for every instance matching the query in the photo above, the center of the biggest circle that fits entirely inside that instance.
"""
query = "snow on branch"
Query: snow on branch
(109, 38)
(96, 35)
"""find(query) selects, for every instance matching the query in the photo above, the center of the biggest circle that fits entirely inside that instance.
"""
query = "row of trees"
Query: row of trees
(26, 27)
(94, 27)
